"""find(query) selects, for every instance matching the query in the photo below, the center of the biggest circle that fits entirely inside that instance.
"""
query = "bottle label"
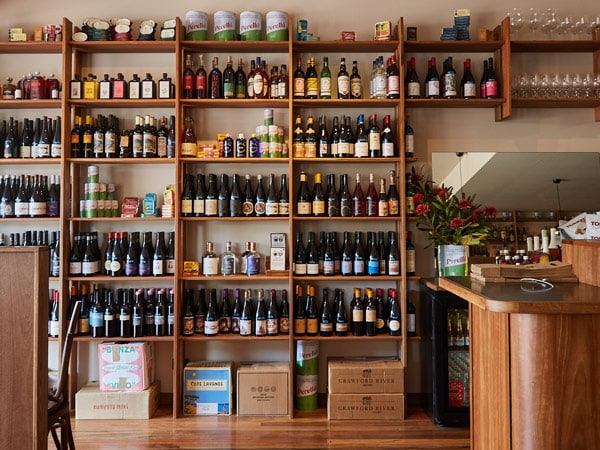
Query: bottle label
(284, 208)
(149, 319)
(393, 207)
(210, 266)
(284, 324)
(379, 86)
(393, 85)
(272, 209)
(328, 267)
(197, 206)
(248, 208)
(170, 267)
(252, 265)
(55, 150)
(115, 266)
(356, 87)
(136, 320)
(374, 141)
(145, 268)
(164, 89)
(84, 325)
(450, 85)
(37, 209)
(371, 315)
(343, 85)
(131, 269)
(310, 149)
(227, 266)
(373, 267)
(304, 208)
(88, 267)
(211, 207)
(387, 149)
(394, 325)
(299, 269)
(300, 326)
(383, 209)
(359, 267)
(75, 268)
(326, 327)
(211, 327)
(325, 87)
(414, 89)
(21, 209)
(272, 326)
(312, 88)
(96, 319)
(409, 144)
(433, 88)
(394, 267)
(189, 149)
(186, 206)
(53, 328)
(312, 325)
(411, 323)
(43, 150)
(261, 327)
(341, 327)
(298, 87)
(158, 267)
(298, 149)
(312, 269)
(245, 327)
(347, 266)
(188, 326)
(470, 90)
(199, 324)
(318, 207)
(357, 315)
(410, 261)
(260, 208)
(491, 88)
(225, 324)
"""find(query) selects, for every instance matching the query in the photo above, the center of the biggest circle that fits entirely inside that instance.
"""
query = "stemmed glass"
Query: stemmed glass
(565, 26)
(549, 22)
(516, 20)
(534, 20)
(581, 27)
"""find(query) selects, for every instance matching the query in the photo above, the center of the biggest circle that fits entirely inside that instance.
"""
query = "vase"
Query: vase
(453, 260)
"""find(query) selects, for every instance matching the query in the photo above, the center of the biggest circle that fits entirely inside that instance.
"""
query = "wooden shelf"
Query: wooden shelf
(105, 278)
(122, 339)
(235, 103)
(30, 104)
(96, 161)
(233, 337)
(347, 278)
(234, 219)
(124, 46)
(554, 46)
(192, 160)
(348, 103)
(351, 338)
(555, 102)
(236, 46)
(29, 219)
(124, 103)
(392, 160)
(31, 47)
(239, 278)
(122, 219)
(31, 161)
(353, 219)
(339, 46)
(452, 46)
(453, 102)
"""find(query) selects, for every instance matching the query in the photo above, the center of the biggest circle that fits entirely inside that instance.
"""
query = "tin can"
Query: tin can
(250, 26)
(224, 26)
(307, 374)
(196, 26)
(277, 26)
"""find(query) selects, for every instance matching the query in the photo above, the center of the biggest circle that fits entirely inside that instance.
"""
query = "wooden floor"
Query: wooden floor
(309, 431)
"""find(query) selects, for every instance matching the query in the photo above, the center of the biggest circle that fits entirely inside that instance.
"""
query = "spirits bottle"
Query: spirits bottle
(229, 263)
(210, 261)
(311, 83)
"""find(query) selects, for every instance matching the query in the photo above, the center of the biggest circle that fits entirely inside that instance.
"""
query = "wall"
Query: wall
(436, 130)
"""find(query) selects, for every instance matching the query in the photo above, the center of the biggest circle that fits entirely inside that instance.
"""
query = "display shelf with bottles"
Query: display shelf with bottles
(499, 46)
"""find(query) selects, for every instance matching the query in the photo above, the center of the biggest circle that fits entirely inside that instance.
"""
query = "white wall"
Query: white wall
(436, 130)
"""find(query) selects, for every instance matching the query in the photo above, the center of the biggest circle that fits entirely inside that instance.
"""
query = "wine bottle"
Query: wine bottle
(198, 195)
(75, 257)
(393, 196)
(284, 313)
(374, 136)
(468, 87)
(149, 309)
(413, 84)
(491, 82)
(483, 81)
(433, 82)
(311, 80)
(160, 255)
(355, 82)
(347, 256)
(111, 325)
(411, 319)
(298, 79)
(331, 197)
(310, 139)
(115, 260)
(229, 79)
(298, 148)
(96, 316)
(187, 321)
(284, 199)
(145, 267)
(312, 316)
(239, 83)
(341, 315)
(248, 315)
(236, 312)
(83, 325)
(223, 197)
(272, 203)
(215, 80)
(449, 80)
(225, 313)
(382, 204)
(372, 198)
(326, 321)
(160, 314)
(370, 314)
(388, 143)
(188, 85)
(343, 81)
(125, 323)
(260, 321)
(358, 314)
(211, 198)
(137, 314)
(393, 79)
(211, 322)
(394, 314)
(201, 80)
(325, 80)
(54, 318)
(311, 255)
(359, 203)
(318, 197)
(359, 267)
(260, 198)
(303, 197)
(346, 205)
(381, 314)
(372, 255)
(273, 315)
(299, 312)
(248, 198)
(299, 262)
(323, 141)
(200, 314)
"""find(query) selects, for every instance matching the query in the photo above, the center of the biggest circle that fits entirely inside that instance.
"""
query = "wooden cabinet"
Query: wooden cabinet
(23, 360)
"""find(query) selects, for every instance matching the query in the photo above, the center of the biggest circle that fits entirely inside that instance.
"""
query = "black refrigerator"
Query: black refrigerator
(445, 329)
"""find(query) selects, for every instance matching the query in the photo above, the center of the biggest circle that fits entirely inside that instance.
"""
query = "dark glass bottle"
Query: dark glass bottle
(311, 255)
(323, 140)
(160, 255)
(374, 135)
(284, 313)
(236, 312)
(201, 80)
(318, 197)
(284, 199)
(303, 197)
(359, 255)
(273, 315)
(312, 315)
(235, 197)
(346, 205)
(187, 320)
(272, 203)
(149, 305)
(248, 198)
(394, 314)
(260, 321)
(96, 316)
(299, 262)
(200, 313)
(359, 203)
(199, 196)
(298, 79)
(381, 315)
(111, 324)
(146, 255)
(329, 256)
(341, 317)
(240, 81)
(358, 314)
(248, 315)
(223, 198)
(137, 314)
(160, 314)
(326, 321)
(211, 198)
(229, 79)
(372, 198)
(468, 86)
(372, 255)
(225, 313)
(125, 323)
(347, 256)
(299, 313)
(170, 313)
(211, 322)
(331, 197)
(215, 80)
(260, 198)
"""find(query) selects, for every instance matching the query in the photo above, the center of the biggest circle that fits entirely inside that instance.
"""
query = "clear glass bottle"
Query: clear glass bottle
(229, 261)
(210, 261)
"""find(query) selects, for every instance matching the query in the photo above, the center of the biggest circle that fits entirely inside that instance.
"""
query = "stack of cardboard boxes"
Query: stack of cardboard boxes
(365, 389)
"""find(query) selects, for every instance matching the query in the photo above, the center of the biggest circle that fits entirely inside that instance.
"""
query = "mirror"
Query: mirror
(524, 181)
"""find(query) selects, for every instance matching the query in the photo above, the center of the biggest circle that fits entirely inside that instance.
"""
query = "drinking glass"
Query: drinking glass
(534, 20)
(577, 85)
(566, 86)
(549, 22)
(564, 27)
(581, 27)
(556, 84)
(516, 20)
(588, 85)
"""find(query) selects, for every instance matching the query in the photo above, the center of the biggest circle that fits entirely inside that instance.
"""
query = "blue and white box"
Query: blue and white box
(207, 388)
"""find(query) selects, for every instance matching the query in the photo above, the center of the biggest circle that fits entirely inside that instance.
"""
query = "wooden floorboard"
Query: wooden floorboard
(308, 431)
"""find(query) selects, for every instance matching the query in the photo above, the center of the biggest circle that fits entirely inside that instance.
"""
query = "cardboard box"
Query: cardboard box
(207, 388)
(125, 367)
(365, 376)
(365, 406)
(92, 403)
(263, 389)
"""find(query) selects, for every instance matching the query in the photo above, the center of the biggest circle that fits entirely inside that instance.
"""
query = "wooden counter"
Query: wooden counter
(535, 365)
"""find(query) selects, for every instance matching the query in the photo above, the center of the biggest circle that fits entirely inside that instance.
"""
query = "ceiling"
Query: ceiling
(524, 181)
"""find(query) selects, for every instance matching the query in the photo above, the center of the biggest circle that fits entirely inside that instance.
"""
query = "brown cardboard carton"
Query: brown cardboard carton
(365, 376)
(263, 389)
(365, 406)
(92, 403)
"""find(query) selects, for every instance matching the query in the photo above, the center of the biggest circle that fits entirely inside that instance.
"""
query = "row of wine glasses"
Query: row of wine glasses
(548, 24)
(548, 85)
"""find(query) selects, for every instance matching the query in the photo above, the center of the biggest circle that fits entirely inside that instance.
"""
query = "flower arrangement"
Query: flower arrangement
(450, 220)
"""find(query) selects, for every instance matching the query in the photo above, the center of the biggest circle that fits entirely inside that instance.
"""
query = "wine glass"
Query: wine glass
(566, 86)
(556, 85)
(565, 26)
(581, 27)
(549, 22)
(596, 85)
(594, 25)
(588, 85)
(534, 20)
(577, 82)
(516, 20)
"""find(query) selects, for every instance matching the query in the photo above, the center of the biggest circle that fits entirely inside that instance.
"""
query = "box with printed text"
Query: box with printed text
(207, 388)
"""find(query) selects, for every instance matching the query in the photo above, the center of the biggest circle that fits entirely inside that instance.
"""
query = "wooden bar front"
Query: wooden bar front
(24, 354)
(535, 372)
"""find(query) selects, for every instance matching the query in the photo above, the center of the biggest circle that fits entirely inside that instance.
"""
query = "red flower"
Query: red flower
(422, 209)
(490, 211)
(441, 192)
(457, 223)
(418, 198)
(465, 203)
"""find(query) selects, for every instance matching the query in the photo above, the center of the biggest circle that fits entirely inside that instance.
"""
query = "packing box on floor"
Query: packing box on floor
(125, 366)
(207, 388)
(365, 406)
(365, 376)
(92, 403)
(263, 389)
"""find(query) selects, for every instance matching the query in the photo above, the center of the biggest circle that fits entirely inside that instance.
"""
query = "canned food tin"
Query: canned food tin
(196, 26)
(277, 26)
(224, 26)
(250, 26)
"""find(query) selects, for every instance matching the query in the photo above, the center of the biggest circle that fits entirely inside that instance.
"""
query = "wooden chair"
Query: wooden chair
(58, 401)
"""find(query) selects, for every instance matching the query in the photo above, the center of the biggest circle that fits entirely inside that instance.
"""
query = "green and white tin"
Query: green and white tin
(277, 26)
(250, 26)
(196, 26)
(224, 26)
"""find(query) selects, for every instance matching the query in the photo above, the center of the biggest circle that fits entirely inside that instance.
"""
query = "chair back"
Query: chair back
(63, 374)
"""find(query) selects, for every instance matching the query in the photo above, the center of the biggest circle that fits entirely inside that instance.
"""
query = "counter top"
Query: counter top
(563, 298)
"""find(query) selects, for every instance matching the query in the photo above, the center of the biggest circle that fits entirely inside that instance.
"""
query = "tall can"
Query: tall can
(224, 26)
(250, 26)
(196, 26)
(277, 26)
(307, 374)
